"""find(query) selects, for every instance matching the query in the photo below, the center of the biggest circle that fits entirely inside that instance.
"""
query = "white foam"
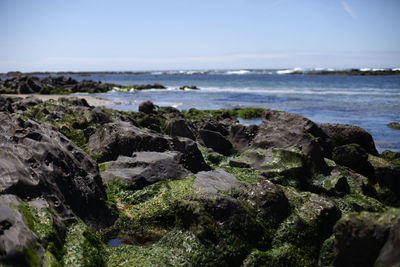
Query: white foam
(396, 69)
(238, 72)
(288, 71)
(365, 69)
(378, 69)
(300, 91)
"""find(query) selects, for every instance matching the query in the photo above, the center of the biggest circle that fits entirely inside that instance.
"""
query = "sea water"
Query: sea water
(366, 101)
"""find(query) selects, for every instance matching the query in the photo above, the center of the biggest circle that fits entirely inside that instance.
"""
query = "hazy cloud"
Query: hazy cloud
(349, 10)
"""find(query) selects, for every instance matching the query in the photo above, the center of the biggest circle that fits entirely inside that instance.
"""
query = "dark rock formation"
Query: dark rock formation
(354, 157)
(285, 130)
(147, 107)
(37, 161)
(268, 200)
(122, 139)
(17, 241)
(145, 168)
(344, 134)
(216, 141)
(179, 127)
(359, 239)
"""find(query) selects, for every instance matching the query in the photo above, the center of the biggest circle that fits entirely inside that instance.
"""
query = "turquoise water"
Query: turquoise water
(367, 101)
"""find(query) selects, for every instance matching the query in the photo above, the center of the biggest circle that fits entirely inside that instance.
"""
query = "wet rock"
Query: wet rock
(354, 157)
(287, 131)
(147, 107)
(359, 237)
(268, 200)
(214, 181)
(344, 134)
(216, 141)
(145, 168)
(179, 127)
(38, 161)
(18, 244)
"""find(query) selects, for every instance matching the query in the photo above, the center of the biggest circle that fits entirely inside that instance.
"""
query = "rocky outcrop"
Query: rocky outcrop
(285, 193)
(360, 239)
(123, 139)
(37, 161)
(290, 131)
(344, 134)
(145, 168)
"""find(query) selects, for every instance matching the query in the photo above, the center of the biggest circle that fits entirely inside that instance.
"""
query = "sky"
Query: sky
(117, 35)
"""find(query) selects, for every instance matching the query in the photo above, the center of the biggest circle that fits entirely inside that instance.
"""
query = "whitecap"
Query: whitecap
(237, 72)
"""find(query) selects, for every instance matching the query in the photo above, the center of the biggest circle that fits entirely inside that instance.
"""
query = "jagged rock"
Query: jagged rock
(359, 238)
(214, 181)
(216, 141)
(287, 131)
(344, 134)
(241, 136)
(145, 168)
(38, 161)
(18, 244)
(179, 127)
(97, 115)
(268, 200)
(214, 125)
(354, 157)
(147, 107)
(123, 138)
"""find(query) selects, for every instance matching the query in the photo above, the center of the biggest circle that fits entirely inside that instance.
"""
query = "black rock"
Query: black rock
(145, 168)
(147, 107)
(38, 161)
(216, 141)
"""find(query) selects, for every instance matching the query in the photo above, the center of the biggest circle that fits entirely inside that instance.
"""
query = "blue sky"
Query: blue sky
(95, 35)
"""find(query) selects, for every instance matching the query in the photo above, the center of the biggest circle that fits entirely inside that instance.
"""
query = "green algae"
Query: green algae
(82, 248)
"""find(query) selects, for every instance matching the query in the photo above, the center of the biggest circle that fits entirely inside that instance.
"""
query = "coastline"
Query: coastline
(92, 100)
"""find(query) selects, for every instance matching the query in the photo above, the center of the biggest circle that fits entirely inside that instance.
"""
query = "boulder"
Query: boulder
(344, 134)
(216, 141)
(268, 200)
(291, 131)
(147, 107)
(39, 161)
(18, 244)
(360, 237)
(123, 139)
(216, 180)
(145, 168)
(241, 135)
(179, 127)
(354, 157)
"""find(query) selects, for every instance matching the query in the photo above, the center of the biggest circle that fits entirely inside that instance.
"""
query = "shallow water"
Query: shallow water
(366, 101)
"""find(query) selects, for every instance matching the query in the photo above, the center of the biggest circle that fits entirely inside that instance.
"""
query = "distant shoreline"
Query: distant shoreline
(347, 72)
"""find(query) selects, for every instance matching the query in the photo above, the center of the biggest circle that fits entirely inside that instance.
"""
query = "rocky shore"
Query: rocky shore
(89, 186)
(60, 85)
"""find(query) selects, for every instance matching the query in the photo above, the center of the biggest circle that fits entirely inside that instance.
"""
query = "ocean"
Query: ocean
(366, 101)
